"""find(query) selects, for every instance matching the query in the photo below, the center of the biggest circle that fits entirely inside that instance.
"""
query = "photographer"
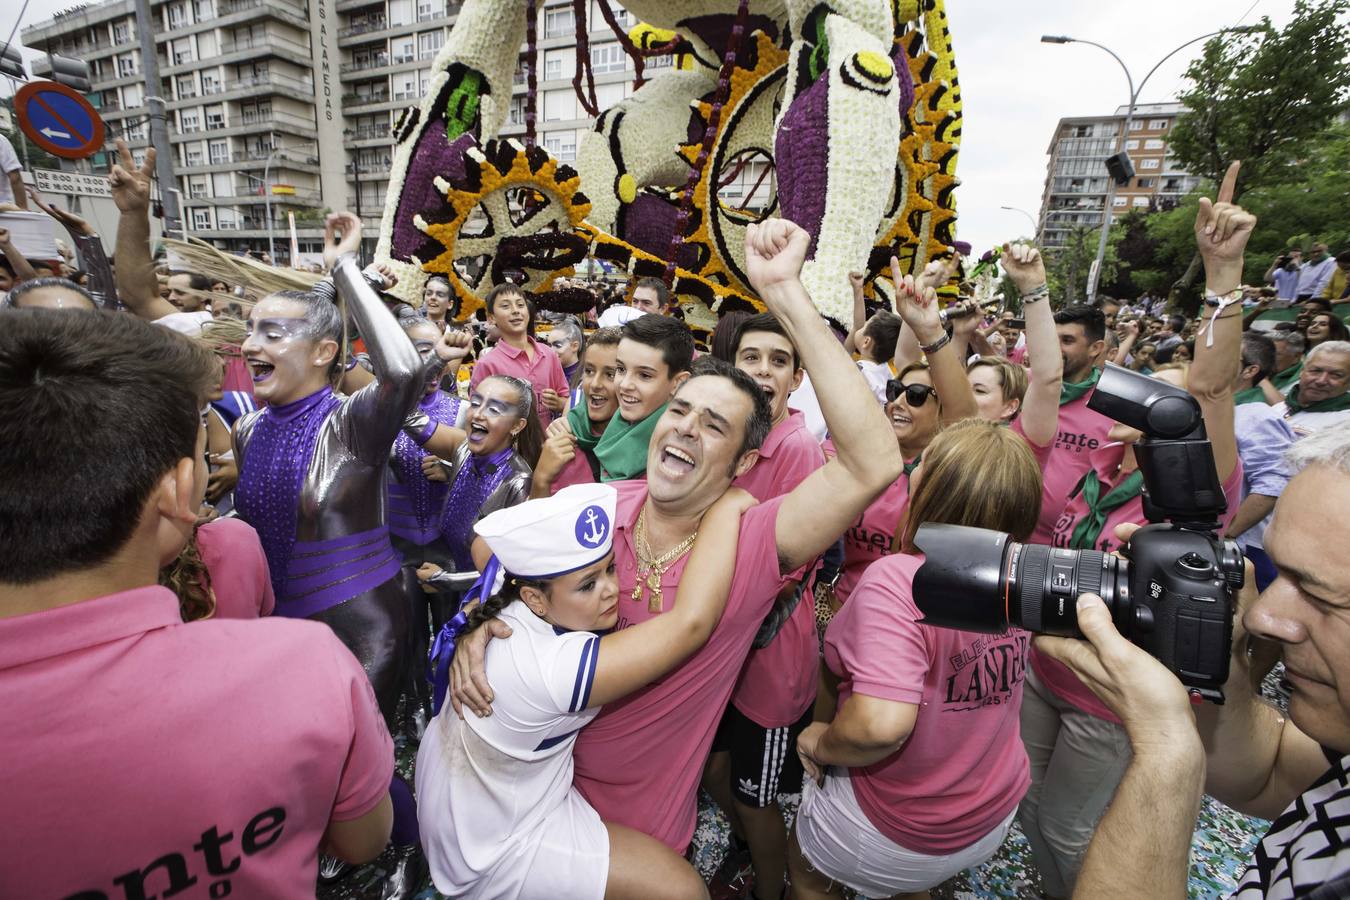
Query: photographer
(1283, 273)
(1257, 763)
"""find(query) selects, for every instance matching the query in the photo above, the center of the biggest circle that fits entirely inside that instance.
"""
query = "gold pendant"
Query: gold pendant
(654, 589)
(637, 587)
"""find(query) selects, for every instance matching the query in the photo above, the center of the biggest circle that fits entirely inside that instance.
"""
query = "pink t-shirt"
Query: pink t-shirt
(639, 763)
(234, 559)
(870, 536)
(238, 376)
(543, 373)
(1081, 430)
(143, 756)
(1106, 460)
(778, 682)
(963, 769)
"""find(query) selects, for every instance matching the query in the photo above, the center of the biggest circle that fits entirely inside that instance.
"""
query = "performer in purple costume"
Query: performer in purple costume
(312, 479)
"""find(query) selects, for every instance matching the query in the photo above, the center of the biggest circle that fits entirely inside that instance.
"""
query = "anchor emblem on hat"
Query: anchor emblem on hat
(596, 526)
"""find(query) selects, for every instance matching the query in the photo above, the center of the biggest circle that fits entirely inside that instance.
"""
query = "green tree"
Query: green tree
(1067, 267)
(1261, 98)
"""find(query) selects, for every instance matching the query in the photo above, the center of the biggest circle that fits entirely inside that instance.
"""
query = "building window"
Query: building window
(1143, 182)
(126, 66)
(608, 58)
(1157, 124)
(122, 33)
(563, 147)
(201, 218)
(1131, 144)
(1139, 201)
(553, 69)
(187, 87)
(429, 43)
(220, 152)
(621, 16)
(188, 121)
(177, 16)
(201, 10)
(517, 114)
(430, 9)
(210, 83)
(558, 22)
(196, 186)
(659, 62)
(1136, 125)
(403, 50)
(1119, 201)
(1153, 144)
(215, 117)
(405, 86)
(1149, 163)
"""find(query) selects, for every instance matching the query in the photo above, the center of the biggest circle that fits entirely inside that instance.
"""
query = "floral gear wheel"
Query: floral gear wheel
(514, 209)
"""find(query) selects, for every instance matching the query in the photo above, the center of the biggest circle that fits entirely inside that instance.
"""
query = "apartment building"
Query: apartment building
(1077, 182)
(295, 102)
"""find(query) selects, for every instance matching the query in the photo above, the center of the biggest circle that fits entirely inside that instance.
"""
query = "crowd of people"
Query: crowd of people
(252, 547)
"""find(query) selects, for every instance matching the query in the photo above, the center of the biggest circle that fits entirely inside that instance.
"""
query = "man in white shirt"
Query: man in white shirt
(11, 186)
(1320, 398)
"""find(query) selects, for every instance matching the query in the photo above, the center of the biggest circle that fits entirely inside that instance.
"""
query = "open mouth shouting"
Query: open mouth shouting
(478, 432)
(676, 462)
(260, 369)
(900, 418)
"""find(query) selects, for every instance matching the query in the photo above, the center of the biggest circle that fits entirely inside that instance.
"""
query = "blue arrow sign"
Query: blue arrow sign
(60, 119)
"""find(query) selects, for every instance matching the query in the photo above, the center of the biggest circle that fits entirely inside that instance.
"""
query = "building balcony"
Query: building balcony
(354, 103)
(364, 26)
(277, 121)
(377, 62)
(350, 5)
(272, 81)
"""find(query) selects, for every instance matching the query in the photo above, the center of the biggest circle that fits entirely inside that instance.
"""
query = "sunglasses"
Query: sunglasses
(916, 395)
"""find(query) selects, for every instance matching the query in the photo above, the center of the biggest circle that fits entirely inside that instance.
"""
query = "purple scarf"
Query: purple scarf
(424, 495)
(475, 481)
(273, 475)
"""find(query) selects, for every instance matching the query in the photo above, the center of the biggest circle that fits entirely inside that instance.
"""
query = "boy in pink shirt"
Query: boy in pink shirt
(640, 761)
(145, 756)
(520, 355)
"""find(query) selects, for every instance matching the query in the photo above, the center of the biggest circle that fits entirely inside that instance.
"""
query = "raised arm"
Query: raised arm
(23, 269)
(632, 657)
(375, 413)
(855, 282)
(916, 302)
(818, 510)
(1040, 407)
(137, 286)
(1221, 231)
(437, 438)
(90, 248)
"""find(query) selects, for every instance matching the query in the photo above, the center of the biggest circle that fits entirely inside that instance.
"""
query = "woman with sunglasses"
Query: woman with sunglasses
(918, 402)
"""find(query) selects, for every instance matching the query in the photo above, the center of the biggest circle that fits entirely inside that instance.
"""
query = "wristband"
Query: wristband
(1219, 303)
(1041, 293)
(930, 349)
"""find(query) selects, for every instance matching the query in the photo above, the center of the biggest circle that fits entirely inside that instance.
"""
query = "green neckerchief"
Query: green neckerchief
(1282, 380)
(1089, 528)
(1250, 395)
(622, 449)
(1069, 391)
(911, 466)
(1331, 404)
(580, 420)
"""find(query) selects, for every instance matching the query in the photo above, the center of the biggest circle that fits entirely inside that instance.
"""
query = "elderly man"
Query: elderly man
(1319, 398)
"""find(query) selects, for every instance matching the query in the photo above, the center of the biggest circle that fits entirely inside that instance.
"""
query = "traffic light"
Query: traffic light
(11, 63)
(73, 73)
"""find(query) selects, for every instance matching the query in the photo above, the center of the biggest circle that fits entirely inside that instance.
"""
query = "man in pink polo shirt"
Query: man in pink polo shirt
(639, 762)
(520, 355)
(1082, 338)
(144, 756)
(772, 704)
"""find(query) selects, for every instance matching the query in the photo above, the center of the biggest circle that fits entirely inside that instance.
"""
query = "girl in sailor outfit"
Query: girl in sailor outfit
(499, 816)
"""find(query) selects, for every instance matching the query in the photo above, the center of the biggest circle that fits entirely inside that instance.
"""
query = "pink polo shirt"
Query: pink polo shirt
(778, 682)
(1106, 460)
(1081, 430)
(963, 769)
(543, 373)
(234, 559)
(640, 761)
(143, 757)
(578, 471)
(870, 536)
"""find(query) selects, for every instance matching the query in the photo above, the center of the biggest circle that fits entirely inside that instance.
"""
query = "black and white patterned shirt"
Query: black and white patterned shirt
(1306, 852)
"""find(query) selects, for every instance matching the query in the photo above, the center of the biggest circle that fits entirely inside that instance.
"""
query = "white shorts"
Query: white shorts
(840, 843)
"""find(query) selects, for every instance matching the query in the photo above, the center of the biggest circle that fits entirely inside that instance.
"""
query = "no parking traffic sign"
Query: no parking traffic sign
(59, 120)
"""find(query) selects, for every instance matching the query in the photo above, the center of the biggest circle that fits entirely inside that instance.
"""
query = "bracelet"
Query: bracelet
(1215, 299)
(930, 349)
(1220, 304)
(1036, 296)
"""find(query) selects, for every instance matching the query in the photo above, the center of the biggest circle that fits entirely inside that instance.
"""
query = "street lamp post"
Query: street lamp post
(182, 218)
(267, 199)
(1035, 226)
(1135, 91)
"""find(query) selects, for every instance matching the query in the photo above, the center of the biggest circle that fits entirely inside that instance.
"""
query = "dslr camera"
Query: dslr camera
(1174, 593)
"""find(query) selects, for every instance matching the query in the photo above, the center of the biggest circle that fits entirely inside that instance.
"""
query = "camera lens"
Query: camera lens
(980, 580)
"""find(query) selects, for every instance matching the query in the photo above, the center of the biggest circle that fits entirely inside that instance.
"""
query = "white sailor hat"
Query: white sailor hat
(555, 535)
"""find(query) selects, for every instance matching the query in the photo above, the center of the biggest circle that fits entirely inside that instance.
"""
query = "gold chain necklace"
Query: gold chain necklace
(652, 569)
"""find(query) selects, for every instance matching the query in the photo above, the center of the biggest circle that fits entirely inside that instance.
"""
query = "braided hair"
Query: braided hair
(188, 578)
(492, 607)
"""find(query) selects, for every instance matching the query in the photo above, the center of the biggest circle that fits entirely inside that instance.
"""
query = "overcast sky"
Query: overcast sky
(1015, 88)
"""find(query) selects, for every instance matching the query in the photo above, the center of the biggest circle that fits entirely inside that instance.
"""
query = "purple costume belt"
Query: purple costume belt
(323, 574)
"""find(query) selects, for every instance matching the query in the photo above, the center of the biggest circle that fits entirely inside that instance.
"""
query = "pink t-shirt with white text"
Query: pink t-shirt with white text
(1106, 460)
(144, 756)
(640, 761)
(870, 536)
(778, 682)
(234, 559)
(1081, 430)
(963, 769)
